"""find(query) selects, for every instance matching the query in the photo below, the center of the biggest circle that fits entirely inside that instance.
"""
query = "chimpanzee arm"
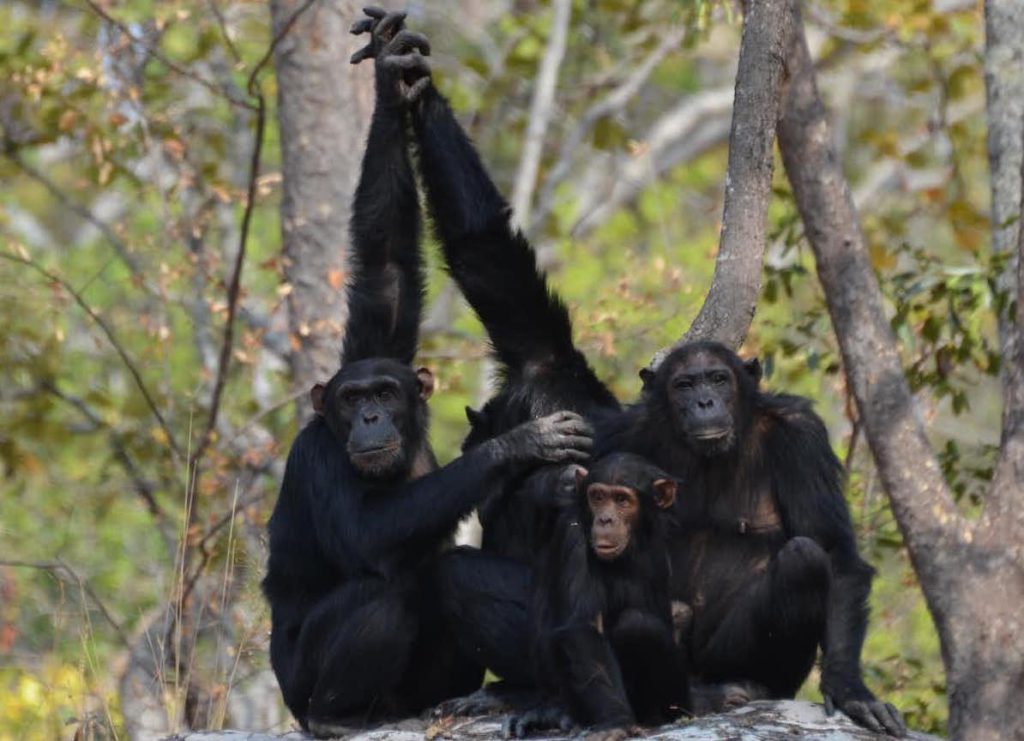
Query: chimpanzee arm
(807, 479)
(493, 264)
(374, 520)
(385, 294)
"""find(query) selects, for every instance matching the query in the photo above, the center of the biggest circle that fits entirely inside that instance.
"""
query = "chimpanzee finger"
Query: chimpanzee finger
(574, 455)
(374, 12)
(861, 713)
(576, 427)
(407, 62)
(390, 28)
(362, 26)
(365, 53)
(830, 707)
(892, 719)
(576, 441)
(417, 88)
(405, 41)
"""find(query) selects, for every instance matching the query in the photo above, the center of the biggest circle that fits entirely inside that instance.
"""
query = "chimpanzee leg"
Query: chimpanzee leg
(652, 667)
(485, 599)
(587, 665)
(355, 646)
(772, 631)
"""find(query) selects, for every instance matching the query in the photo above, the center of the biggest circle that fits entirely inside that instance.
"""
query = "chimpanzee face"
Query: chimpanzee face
(702, 394)
(622, 492)
(375, 409)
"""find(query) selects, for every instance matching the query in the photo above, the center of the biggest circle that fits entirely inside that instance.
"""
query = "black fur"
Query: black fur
(763, 547)
(363, 511)
(627, 667)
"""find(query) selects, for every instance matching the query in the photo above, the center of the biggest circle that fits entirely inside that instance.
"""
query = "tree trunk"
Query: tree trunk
(732, 299)
(324, 107)
(971, 572)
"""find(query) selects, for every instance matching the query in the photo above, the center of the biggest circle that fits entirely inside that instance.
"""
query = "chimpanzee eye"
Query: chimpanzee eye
(621, 499)
(386, 394)
(683, 383)
(350, 397)
(720, 378)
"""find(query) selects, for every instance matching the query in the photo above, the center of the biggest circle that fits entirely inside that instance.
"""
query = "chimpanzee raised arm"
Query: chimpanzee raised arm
(362, 513)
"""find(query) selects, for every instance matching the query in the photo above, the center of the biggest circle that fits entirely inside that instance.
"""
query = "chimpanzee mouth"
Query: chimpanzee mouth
(607, 551)
(709, 435)
(377, 450)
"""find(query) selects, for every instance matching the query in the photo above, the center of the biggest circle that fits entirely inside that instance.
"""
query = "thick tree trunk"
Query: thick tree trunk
(730, 303)
(324, 105)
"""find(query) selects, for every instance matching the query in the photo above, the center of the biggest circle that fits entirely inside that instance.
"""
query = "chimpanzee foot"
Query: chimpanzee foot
(490, 700)
(541, 718)
(724, 696)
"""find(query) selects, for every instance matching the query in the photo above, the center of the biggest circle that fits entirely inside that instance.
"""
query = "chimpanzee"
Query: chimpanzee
(363, 509)
(763, 550)
(602, 620)
(541, 370)
(771, 487)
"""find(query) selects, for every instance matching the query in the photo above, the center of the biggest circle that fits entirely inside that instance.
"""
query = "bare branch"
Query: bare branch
(609, 105)
(921, 500)
(540, 112)
(59, 567)
(732, 299)
(679, 135)
(79, 210)
(158, 55)
(111, 337)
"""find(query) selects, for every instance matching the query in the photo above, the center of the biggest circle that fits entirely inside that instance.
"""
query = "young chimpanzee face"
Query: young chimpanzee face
(708, 391)
(622, 493)
(376, 409)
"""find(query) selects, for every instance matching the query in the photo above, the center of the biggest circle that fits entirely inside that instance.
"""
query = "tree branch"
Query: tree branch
(540, 113)
(609, 105)
(111, 337)
(58, 567)
(171, 65)
(732, 299)
(921, 500)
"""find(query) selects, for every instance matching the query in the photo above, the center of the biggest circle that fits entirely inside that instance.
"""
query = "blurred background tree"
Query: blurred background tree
(142, 442)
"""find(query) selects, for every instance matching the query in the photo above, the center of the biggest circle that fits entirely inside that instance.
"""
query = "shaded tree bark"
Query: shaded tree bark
(972, 573)
(324, 105)
(730, 303)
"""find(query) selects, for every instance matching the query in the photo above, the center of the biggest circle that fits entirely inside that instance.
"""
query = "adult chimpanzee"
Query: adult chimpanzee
(362, 510)
(602, 619)
(488, 591)
(763, 551)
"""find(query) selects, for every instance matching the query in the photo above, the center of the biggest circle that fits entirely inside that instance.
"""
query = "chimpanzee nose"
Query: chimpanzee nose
(370, 417)
(604, 520)
(705, 403)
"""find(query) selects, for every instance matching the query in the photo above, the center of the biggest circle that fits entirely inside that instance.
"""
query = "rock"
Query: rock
(757, 721)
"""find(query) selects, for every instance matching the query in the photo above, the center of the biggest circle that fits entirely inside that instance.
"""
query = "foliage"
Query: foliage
(125, 156)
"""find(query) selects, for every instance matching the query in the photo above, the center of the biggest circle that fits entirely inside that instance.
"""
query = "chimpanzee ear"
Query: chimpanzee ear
(475, 418)
(426, 380)
(647, 377)
(665, 492)
(316, 395)
(753, 368)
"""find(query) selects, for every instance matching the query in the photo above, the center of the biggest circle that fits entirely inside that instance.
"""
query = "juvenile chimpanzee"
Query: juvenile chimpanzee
(362, 511)
(763, 550)
(602, 620)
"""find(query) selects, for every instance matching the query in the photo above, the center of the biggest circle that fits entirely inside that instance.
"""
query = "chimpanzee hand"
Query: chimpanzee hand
(562, 437)
(856, 700)
(398, 54)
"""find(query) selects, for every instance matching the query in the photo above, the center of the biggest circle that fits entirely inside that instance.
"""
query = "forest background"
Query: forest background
(142, 442)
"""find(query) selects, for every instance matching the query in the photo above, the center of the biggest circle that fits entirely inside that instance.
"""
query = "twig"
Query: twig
(111, 337)
(170, 64)
(610, 104)
(78, 209)
(56, 567)
(540, 112)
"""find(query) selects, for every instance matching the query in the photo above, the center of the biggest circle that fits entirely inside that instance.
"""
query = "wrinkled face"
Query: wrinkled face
(372, 408)
(614, 509)
(703, 394)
